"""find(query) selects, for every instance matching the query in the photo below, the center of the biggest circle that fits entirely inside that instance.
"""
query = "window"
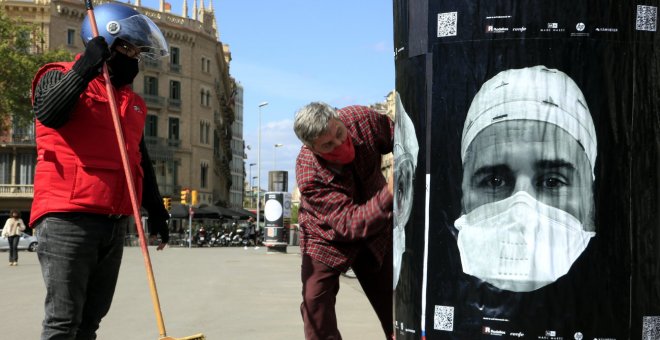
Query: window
(204, 132)
(150, 85)
(204, 175)
(174, 56)
(70, 37)
(5, 168)
(205, 97)
(206, 65)
(173, 129)
(175, 89)
(151, 126)
(25, 173)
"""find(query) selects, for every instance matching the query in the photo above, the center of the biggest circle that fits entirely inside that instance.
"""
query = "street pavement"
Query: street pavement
(225, 293)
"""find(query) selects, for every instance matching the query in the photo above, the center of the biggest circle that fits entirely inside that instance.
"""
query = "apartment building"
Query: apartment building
(193, 128)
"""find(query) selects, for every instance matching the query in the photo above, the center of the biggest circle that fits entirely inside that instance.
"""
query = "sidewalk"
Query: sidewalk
(225, 293)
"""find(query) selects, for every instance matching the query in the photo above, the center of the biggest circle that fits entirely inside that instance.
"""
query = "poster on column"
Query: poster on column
(527, 170)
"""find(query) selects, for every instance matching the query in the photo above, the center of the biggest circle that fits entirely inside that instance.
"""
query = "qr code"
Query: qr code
(651, 328)
(647, 18)
(447, 24)
(443, 318)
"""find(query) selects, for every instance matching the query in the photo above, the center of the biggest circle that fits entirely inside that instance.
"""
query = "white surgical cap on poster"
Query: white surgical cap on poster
(405, 153)
(534, 93)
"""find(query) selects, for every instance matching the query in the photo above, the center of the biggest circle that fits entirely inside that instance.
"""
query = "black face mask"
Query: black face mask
(122, 69)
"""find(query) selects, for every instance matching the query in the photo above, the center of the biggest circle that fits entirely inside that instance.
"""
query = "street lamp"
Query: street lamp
(259, 166)
(251, 185)
(252, 199)
(278, 145)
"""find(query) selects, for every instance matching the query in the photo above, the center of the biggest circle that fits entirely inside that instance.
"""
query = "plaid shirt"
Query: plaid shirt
(342, 211)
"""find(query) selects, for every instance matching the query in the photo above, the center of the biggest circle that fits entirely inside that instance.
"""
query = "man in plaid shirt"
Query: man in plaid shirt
(345, 211)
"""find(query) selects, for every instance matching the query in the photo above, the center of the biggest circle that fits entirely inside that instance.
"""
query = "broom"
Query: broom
(132, 193)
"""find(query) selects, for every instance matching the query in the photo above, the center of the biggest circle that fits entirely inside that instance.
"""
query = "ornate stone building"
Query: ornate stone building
(192, 124)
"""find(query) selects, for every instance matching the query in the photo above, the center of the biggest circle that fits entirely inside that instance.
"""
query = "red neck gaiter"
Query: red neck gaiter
(343, 154)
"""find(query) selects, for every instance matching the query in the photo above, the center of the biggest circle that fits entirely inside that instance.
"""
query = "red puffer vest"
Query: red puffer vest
(79, 166)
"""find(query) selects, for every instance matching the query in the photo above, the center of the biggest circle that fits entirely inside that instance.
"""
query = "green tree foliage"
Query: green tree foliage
(294, 214)
(18, 66)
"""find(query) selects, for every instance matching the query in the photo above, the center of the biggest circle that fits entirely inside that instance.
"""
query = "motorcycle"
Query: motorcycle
(225, 239)
(201, 240)
(237, 238)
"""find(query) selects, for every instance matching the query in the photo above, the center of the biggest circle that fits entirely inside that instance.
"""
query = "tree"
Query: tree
(18, 66)
(294, 213)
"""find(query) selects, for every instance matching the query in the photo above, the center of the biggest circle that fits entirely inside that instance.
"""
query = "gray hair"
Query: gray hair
(312, 121)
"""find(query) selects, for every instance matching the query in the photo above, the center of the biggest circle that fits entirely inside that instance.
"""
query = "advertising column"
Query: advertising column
(277, 213)
(527, 170)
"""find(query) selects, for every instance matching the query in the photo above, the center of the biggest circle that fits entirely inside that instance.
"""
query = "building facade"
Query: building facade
(237, 151)
(192, 124)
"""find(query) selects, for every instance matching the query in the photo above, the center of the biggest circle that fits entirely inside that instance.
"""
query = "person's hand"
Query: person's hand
(90, 63)
(154, 238)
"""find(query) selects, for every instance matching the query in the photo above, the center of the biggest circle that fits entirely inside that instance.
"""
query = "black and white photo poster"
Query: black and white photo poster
(534, 200)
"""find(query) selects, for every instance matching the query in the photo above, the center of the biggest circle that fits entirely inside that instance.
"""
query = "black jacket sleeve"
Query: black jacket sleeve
(151, 199)
(55, 95)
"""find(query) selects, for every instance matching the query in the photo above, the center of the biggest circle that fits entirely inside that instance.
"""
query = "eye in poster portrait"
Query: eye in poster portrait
(532, 207)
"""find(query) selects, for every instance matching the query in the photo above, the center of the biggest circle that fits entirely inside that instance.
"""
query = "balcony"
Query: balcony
(151, 64)
(175, 68)
(154, 101)
(16, 190)
(174, 104)
(170, 190)
(161, 148)
(20, 139)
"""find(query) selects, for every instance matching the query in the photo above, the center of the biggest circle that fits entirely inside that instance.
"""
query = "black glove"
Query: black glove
(158, 225)
(90, 63)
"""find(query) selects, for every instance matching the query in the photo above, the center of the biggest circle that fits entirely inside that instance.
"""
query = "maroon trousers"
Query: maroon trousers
(321, 285)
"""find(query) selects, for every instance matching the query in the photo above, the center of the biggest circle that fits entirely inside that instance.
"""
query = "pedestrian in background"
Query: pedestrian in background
(81, 203)
(12, 230)
(345, 211)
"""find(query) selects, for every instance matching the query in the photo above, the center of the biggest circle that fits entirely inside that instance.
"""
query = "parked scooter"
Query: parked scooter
(201, 237)
(237, 238)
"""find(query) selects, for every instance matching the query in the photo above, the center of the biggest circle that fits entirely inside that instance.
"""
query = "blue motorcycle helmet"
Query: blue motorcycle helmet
(117, 22)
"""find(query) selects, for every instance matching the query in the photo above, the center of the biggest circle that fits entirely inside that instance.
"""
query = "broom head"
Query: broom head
(199, 336)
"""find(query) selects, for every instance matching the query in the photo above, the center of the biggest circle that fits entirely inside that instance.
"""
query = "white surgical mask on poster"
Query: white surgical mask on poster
(519, 244)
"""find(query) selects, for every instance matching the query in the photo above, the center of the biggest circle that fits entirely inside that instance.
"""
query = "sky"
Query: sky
(292, 52)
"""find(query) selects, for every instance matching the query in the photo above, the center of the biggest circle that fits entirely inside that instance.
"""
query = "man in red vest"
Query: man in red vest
(81, 203)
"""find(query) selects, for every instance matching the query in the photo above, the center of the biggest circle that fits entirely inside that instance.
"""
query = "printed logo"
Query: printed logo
(580, 26)
(137, 108)
(493, 29)
(517, 335)
(552, 27)
(519, 29)
(578, 336)
(490, 331)
(550, 333)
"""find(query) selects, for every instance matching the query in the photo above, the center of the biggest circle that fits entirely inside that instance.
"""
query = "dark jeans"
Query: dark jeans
(80, 255)
(321, 285)
(13, 247)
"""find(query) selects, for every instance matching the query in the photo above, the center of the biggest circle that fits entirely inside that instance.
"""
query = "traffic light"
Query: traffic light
(193, 199)
(167, 202)
(184, 196)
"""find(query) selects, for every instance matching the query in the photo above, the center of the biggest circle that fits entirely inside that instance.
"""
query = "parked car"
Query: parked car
(26, 241)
